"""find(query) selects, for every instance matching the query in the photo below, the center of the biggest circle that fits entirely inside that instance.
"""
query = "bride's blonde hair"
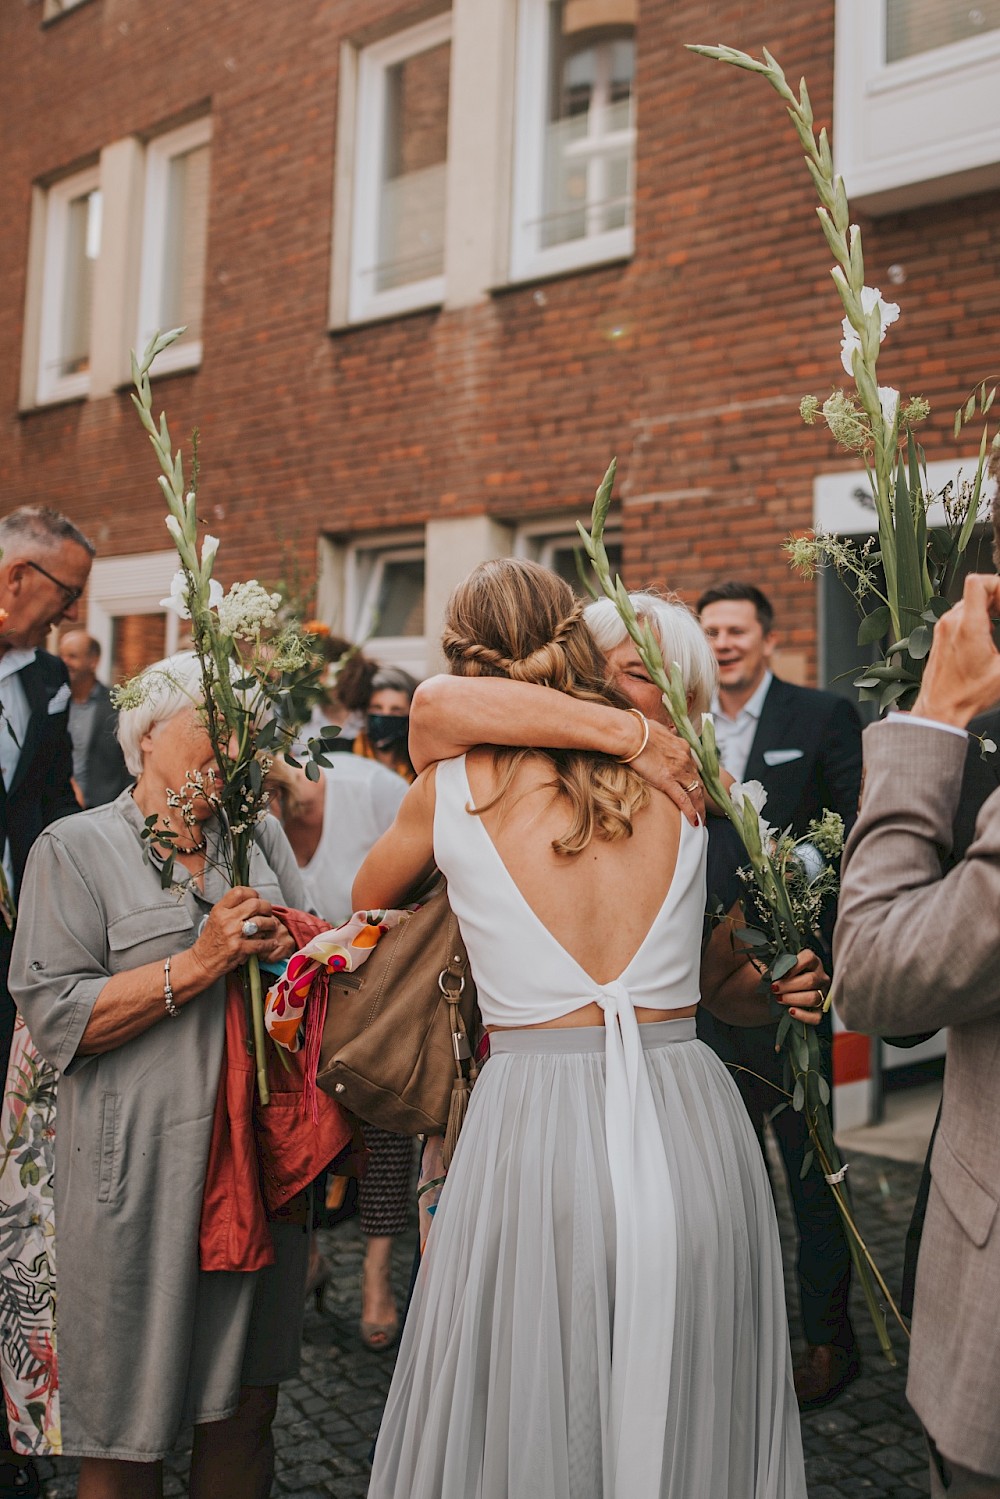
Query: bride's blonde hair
(516, 619)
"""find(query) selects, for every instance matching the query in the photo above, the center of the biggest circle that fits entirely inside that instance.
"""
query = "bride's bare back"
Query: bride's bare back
(599, 904)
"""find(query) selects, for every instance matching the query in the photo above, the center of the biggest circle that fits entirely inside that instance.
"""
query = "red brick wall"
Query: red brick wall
(688, 362)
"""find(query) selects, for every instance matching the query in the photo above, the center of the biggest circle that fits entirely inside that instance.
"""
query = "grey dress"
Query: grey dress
(147, 1342)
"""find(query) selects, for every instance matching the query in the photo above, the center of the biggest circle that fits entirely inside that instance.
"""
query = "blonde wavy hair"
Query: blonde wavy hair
(516, 619)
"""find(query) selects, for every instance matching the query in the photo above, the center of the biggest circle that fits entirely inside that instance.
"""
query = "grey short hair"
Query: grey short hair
(39, 528)
(161, 691)
(680, 635)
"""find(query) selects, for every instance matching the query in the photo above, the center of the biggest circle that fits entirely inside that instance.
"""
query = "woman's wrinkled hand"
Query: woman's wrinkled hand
(667, 764)
(222, 944)
(803, 990)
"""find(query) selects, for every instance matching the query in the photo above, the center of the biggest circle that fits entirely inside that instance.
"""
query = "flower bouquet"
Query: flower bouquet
(906, 579)
(786, 892)
(247, 667)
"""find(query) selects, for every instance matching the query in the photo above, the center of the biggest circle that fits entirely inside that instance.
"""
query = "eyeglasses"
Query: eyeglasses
(72, 594)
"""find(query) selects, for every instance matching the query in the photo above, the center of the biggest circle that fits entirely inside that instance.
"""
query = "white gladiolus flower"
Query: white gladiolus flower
(888, 399)
(247, 609)
(209, 547)
(888, 312)
(752, 793)
(177, 600)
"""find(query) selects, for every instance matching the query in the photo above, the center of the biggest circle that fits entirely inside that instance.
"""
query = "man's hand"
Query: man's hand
(962, 676)
(668, 764)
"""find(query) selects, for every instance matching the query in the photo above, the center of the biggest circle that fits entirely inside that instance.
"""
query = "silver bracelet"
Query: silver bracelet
(168, 993)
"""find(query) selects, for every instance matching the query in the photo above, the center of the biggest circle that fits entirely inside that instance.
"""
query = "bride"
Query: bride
(600, 1310)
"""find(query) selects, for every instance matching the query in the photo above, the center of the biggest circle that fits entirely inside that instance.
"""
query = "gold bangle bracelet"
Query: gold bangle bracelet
(627, 759)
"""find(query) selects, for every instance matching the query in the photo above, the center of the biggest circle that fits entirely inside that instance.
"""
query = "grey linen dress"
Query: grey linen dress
(147, 1342)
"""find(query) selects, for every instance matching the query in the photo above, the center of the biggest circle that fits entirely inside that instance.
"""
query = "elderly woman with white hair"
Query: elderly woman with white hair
(451, 714)
(122, 984)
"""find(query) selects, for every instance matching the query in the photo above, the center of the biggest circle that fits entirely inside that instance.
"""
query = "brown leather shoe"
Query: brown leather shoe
(825, 1373)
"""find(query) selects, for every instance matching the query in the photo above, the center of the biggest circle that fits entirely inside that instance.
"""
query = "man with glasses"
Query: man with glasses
(44, 566)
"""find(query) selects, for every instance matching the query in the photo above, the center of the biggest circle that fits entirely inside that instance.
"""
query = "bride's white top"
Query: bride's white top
(524, 977)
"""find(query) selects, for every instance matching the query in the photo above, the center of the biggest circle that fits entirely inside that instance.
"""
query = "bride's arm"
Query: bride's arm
(403, 857)
(450, 715)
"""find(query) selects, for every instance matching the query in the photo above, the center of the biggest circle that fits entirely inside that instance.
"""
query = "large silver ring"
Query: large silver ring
(250, 928)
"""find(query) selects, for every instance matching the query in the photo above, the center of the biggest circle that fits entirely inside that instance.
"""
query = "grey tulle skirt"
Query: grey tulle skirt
(501, 1388)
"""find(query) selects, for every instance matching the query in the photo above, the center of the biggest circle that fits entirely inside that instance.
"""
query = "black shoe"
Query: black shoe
(825, 1373)
(18, 1477)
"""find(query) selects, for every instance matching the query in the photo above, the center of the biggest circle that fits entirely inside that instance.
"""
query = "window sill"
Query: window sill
(53, 11)
(378, 319)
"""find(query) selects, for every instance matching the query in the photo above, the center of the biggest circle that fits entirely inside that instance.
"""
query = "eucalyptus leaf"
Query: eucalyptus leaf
(920, 642)
(782, 965)
(874, 625)
(806, 1167)
(799, 1096)
(313, 771)
(824, 1089)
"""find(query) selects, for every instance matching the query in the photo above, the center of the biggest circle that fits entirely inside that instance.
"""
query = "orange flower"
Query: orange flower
(315, 627)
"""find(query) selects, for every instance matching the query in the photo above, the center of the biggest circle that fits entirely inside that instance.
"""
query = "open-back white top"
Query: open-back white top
(525, 977)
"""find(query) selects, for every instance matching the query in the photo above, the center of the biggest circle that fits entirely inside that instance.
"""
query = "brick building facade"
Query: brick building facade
(449, 261)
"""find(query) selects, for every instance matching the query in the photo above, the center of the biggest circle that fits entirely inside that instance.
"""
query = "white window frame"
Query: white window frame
(51, 386)
(918, 130)
(159, 153)
(130, 585)
(528, 261)
(539, 540)
(53, 9)
(365, 565)
(374, 63)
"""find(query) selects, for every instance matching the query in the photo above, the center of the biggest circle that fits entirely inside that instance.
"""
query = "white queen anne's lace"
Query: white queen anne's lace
(247, 609)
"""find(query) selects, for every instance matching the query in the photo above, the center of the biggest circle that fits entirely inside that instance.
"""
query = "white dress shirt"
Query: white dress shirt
(735, 736)
(14, 716)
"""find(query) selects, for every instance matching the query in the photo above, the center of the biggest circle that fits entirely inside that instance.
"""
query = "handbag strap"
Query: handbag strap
(451, 982)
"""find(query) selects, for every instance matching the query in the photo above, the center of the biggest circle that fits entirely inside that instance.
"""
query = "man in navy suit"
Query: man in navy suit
(805, 749)
(44, 567)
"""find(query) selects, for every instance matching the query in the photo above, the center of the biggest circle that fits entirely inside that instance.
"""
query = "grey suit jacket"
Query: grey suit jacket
(916, 949)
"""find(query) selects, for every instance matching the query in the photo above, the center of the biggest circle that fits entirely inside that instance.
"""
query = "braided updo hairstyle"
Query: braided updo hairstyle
(513, 618)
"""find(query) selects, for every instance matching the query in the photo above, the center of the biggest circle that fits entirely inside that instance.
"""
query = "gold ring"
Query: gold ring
(693, 787)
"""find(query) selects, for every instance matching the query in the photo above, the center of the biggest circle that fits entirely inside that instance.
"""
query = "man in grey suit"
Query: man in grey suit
(915, 949)
(98, 763)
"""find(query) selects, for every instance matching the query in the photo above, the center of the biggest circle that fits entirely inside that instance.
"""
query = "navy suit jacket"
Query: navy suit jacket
(40, 789)
(815, 740)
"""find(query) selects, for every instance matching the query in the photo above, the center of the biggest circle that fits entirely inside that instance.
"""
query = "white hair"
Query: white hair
(160, 692)
(680, 636)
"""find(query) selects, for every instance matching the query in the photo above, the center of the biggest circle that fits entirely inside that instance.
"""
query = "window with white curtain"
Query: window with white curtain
(400, 171)
(72, 244)
(574, 149)
(174, 241)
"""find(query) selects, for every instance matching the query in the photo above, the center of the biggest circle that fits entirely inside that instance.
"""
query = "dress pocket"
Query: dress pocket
(107, 1173)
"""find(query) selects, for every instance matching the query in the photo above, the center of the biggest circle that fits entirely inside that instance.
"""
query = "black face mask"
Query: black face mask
(385, 730)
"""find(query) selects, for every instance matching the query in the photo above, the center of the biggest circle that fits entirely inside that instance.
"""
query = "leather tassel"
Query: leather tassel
(458, 1107)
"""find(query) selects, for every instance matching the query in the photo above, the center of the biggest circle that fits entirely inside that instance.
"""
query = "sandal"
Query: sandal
(378, 1336)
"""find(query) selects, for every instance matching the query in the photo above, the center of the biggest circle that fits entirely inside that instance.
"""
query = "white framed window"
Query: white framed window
(385, 604)
(400, 171)
(124, 612)
(72, 245)
(174, 242)
(916, 100)
(574, 145)
(556, 544)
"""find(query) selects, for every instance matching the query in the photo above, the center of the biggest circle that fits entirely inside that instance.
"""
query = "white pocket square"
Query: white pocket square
(781, 757)
(58, 702)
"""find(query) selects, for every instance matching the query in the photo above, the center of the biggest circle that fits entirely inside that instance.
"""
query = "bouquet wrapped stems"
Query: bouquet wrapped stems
(248, 667)
(778, 946)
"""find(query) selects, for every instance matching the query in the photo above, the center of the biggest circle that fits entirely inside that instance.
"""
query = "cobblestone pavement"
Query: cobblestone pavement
(866, 1446)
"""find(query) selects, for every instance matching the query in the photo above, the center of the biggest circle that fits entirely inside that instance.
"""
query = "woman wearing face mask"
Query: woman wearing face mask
(387, 722)
(385, 1194)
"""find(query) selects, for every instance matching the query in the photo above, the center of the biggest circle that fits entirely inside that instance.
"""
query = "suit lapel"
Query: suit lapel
(772, 729)
(37, 693)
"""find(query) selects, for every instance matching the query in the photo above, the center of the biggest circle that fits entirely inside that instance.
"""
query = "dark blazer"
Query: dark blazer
(39, 793)
(40, 789)
(825, 730)
(105, 774)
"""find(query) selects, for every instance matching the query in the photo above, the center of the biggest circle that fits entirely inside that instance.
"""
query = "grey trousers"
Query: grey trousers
(948, 1481)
